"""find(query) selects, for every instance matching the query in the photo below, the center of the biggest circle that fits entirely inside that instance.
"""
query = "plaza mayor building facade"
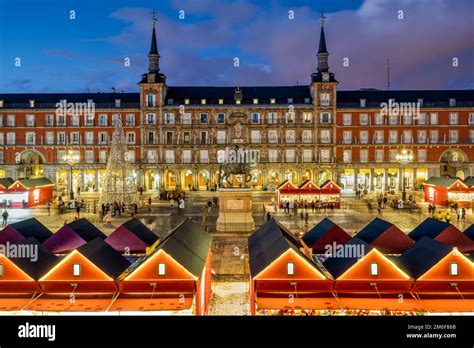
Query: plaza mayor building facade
(177, 136)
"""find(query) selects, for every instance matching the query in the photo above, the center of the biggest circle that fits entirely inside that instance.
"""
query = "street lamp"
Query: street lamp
(404, 158)
(71, 158)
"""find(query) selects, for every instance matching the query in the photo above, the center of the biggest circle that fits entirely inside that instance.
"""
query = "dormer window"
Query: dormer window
(290, 268)
(272, 100)
(170, 101)
(362, 103)
(255, 100)
(374, 269)
(290, 100)
(32, 103)
(76, 270)
(203, 101)
(452, 102)
(162, 269)
(221, 101)
(307, 100)
(237, 102)
(186, 101)
(420, 102)
(453, 268)
(1, 103)
(118, 103)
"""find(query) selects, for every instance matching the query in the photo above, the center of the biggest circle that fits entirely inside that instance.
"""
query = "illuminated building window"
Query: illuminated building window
(221, 101)
(272, 101)
(186, 101)
(1, 270)
(290, 268)
(374, 269)
(161, 269)
(255, 101)
(76, 270)
(453, 269)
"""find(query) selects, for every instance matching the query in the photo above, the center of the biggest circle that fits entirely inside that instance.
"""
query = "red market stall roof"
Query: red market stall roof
(346, 256)
(330, 186)
(373, 273)
(30, 183)
(5, 183)
(189, 244)
(132, 236)
(470, 232)
(99, 264)
(25, 229)
(308, 186)
(185, 257)
(325, 233)
(385, 236)
(443, 232)
(269, 243)
(448, 183)
(287, 187)
(21, 271)
(72, 235)
(431, 264)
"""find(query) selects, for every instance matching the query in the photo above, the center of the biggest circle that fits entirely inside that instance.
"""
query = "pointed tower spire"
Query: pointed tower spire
(322, 74)
(323, 53)
(153, 55)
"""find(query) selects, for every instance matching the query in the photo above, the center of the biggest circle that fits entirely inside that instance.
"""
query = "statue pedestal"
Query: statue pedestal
(235, 211)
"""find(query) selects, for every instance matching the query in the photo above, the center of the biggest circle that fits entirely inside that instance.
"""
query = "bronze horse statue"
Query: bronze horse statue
(228, 169)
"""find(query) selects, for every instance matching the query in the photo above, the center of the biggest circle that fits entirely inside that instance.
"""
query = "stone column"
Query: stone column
(400, 178)
(96, 180)
(372, 177)
(414, 178)
(356, 184)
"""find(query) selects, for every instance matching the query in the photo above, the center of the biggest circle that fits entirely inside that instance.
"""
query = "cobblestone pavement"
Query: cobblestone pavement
(230, 288)
(354, 215)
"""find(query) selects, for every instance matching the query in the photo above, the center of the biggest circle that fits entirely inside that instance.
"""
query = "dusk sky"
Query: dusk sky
(87, 54)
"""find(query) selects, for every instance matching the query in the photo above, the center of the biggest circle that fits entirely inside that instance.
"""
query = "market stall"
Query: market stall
(330, 192)
(287, 191)
(24, 193)
(447, 191)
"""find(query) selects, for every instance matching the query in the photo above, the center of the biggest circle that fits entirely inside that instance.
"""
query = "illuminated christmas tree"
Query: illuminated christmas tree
(120, 180)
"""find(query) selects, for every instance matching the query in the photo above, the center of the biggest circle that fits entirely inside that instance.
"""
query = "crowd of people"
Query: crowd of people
(439, 215)
(116, 209)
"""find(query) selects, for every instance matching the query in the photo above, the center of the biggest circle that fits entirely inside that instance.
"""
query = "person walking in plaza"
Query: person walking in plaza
(463, 214)
(447, 217)
(149, 203)
(306, 217)
(48, 208)
(269, 216)
(78, 209)
(5, 217)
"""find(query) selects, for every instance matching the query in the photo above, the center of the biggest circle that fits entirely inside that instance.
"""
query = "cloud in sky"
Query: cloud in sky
(276, 50)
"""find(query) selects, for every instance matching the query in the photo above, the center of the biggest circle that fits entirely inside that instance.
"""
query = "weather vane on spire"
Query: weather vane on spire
(322, 16)
(153, 17)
